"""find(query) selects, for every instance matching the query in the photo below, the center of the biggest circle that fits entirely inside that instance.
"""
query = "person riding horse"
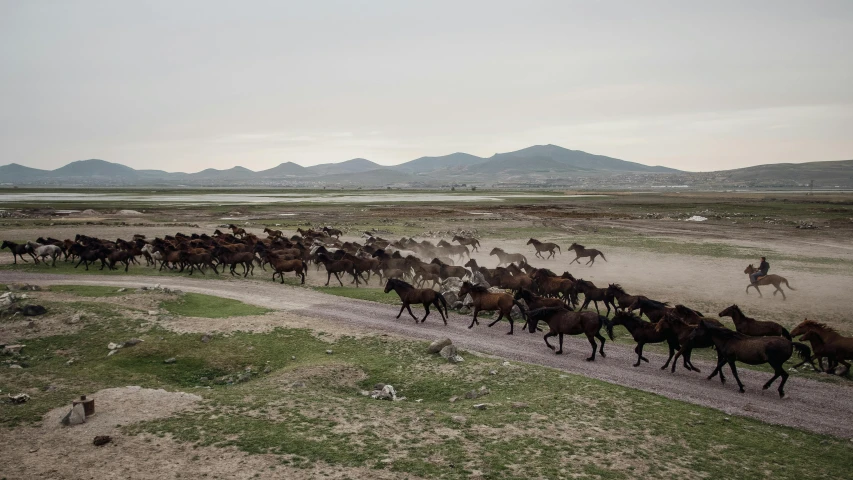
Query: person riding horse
(763, 268)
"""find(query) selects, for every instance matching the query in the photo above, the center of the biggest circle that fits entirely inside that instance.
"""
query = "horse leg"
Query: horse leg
(500, 316)
(639, 351)
(734, 372)
(596, 307)
(591, 342)
(329, 278)
(551, 334)
(474, 320)
(402, 307)
(339, 279)
(601, 347)
(426, 307)
(779, 289)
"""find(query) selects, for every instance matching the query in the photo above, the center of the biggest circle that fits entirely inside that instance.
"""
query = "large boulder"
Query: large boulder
(451, 283)
(478, 279)
(438, 345)
(75, 417)
(451, 297)
(448, 351)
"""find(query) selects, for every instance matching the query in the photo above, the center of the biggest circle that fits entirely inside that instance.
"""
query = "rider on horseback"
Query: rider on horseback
(763, 268)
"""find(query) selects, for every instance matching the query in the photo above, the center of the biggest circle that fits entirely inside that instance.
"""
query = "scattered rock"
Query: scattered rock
(132, 342)
(506, 364)
(465, 310)
(128, 212)
(114, 346)
(267, 369)
(386, 393)
(448, 351)
(120, 290)
(152, 312)
(12, 349)
(478, 279)
(456, 359)
(244, 377)
(19, 398)
(520, 405)
(76, 318)
(493, 372)
(205, 338)
(451, 297)
(453, 399)
(298, 384)
(293, 357)
(170, 360)
(438, 345)
(329, 352)
(471, 395)
(76, 416)
(379, 386)
(481, 406)
(70, 362)
(483, 391)
(101, 440)
(459, 419)
(15, 365)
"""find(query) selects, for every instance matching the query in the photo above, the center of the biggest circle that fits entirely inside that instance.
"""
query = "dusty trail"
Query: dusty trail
(811, 405)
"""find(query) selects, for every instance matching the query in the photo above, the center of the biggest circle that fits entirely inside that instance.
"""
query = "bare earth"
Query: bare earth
(810, 405)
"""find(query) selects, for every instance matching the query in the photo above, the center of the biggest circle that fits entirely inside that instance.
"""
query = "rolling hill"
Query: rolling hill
(538, 166)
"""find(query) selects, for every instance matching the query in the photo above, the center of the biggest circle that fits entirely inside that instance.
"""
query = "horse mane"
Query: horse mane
(684, 309)
(818, 325)
(547, 272)
(617, 287)
(579, 246)
(399, 282)
(546, 311)
(585, 283)
(722, 331)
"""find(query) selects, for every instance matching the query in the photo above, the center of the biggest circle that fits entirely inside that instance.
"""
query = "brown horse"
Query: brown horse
(756, 328)
(273, 233)
(674, 325)
(534, 301)
(774, 280)
(544, 247)
(564, 322)
(583, 252)
(333, 232)
(840, 346)
(550, 284)
(336, 267)
(488, 301)
(643, 333)
(820, 350)
(409, 294)
(281, 265)
(591, 293)
(469, 241)
(622, 299)
(237, 231)
(733, 346)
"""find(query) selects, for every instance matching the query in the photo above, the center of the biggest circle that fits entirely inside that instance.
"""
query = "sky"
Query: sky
(186, 85)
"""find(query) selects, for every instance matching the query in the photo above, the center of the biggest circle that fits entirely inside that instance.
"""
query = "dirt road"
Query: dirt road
(811, 405)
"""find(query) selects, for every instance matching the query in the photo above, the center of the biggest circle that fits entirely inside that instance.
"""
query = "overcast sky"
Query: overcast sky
(182, 86)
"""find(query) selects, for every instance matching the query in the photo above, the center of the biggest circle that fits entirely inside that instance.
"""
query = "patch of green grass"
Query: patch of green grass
(90, 290)
(308, 408)
(370, 294)
(207, 306)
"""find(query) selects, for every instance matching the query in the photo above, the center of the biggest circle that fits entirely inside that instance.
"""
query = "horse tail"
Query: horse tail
(786, 284)
(558, 249)
(786, 333)
(607, 324)
(443, 302)
(803, 350)
(602, 255)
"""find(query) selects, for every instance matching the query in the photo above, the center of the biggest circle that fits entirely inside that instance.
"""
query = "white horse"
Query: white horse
(44, 251)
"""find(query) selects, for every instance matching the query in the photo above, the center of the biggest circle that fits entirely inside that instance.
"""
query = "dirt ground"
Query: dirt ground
(707, 283)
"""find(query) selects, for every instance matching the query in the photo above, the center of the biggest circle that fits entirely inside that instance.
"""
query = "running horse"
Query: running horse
(583, 252)
(544, 247)
(774, 280)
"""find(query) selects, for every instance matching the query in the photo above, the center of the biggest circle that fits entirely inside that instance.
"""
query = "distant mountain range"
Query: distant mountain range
(545, 166)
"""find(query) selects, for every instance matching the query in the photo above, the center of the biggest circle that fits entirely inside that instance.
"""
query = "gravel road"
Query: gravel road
(811, 405)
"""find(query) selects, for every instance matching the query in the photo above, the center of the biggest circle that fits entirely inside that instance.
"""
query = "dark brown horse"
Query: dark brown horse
(17, 250)
(549, 283)
(237, 231)
(583, 252)
(750, 326)
(672, 324)
(591, 293)
(643, 333)
(336, 267)
(488, 301)
(534, 301)
(733, 346)
(840, 346)
(819, 350)
(544, 247)
(425, 296)
(564, 322)
(622, 299)
(774, 280)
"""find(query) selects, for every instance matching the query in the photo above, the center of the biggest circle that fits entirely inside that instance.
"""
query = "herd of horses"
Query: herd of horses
(540, 295)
